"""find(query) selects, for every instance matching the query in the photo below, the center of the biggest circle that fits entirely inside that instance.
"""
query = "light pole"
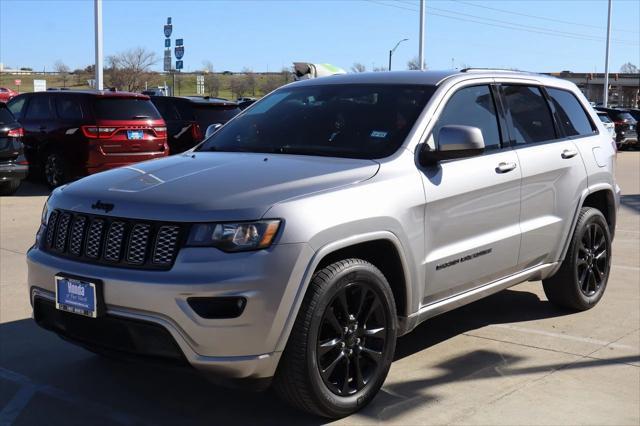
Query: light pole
(421, 43)
(98, 30)
(605, 95)
(394, 49)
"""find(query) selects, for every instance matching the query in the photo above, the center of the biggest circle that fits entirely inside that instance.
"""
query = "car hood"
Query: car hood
(209, 186)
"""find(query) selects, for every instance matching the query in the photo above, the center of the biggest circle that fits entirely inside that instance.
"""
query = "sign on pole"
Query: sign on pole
(167, 60)
(168, 28)
(18, 82)
(39, 85)
(167, 42)
(179, 42)
(200, 84)
(179, 65)
(179, 50)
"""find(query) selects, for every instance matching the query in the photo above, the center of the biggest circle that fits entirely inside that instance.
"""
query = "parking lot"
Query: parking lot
(509, 359)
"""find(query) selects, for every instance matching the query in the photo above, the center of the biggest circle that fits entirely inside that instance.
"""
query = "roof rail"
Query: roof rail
(489, 69)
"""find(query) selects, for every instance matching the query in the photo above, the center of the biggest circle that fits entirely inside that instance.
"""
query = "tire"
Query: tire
(582, 278)
(55, 169)
(9, 187)
(318, 358)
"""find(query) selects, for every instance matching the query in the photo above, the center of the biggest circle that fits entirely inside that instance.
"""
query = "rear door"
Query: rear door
(472, 233)
(38, 122)
(10, 146)
(553, 172)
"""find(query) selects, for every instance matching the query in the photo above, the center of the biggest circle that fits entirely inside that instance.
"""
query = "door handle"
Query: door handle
(569, 153)
(505, 167)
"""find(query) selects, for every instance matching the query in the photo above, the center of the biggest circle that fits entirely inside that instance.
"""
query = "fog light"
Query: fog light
(217, 307)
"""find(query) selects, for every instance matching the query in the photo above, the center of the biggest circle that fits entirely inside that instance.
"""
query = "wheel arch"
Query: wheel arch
(360, 246)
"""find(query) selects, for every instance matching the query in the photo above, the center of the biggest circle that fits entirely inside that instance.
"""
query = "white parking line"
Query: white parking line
(630, 268)
(566, 337)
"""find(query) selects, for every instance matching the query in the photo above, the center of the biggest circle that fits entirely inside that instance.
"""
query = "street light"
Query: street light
(394, 49)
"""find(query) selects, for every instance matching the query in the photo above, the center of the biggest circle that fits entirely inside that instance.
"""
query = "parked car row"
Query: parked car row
(69, 134)
(625, 122)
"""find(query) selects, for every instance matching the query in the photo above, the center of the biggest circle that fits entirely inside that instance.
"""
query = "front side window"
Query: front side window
(530, 114)
(336, 120)
(571, 116)
(472, 106)
(40, 108)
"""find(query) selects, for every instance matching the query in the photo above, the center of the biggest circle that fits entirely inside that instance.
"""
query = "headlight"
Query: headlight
(240, 236)
(45, 212)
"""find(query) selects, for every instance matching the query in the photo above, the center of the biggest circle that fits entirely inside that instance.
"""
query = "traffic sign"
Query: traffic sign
(179, 52)
(167, 60)
(179, 65)
(167, 42)
(18, 82)
(179, 42)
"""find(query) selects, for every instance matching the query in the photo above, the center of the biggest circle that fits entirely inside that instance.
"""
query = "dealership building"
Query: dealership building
(624, 88)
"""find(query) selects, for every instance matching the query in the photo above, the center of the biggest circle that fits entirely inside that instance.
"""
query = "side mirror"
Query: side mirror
(454, 141)
(211, 129)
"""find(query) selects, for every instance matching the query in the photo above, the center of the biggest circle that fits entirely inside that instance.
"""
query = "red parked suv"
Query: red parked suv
(72, 133)
(6, 94)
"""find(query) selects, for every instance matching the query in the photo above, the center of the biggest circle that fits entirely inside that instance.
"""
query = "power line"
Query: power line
(504, 24)
(538, 17)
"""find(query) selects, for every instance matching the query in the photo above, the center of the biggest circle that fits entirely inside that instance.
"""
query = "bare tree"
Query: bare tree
(63, 71)
(379, 69)
(207, 66)
(238, 85)
(270, 83)
(358, 67)
(414, 64)
(629, 68)
(251, 80)
(212, 84)
(127, 69)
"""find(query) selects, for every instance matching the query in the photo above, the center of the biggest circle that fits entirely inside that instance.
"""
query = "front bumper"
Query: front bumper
(246, 347)
(10, 170)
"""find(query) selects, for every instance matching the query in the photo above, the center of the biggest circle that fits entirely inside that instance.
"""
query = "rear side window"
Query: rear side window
(125, 109)
(206, 116)
(16, 105)
(571, 116)
(167, 109)
(472, 106)
(604, 118)
(40, 108)
(5, 116)
(530, 114)
(69, 108)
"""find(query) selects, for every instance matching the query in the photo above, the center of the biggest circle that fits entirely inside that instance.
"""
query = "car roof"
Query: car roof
(199, 100)
(96, 93)
(428, 77)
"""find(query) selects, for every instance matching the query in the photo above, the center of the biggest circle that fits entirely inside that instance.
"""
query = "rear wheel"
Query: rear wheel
(342, 343)
(55, 169)
(581, 280)
(9, 187)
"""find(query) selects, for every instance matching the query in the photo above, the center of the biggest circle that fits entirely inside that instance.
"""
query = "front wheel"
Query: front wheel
(342, 343)
(582, 278)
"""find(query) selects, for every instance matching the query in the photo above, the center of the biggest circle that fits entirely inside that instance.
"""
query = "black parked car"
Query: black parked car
(188, 117)
(13, 164)
(626, 126)
(635, 113)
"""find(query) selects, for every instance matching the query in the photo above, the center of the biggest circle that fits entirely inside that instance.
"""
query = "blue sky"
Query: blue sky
(267, 35)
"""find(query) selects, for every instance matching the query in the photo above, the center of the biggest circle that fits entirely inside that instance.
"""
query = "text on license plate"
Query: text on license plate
(76, 296)
(135, 134)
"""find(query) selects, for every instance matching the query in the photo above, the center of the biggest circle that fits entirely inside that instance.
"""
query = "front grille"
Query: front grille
(120, 242)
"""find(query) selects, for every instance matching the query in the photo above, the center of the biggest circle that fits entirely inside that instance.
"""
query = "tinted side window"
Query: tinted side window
(472, 106)
(5, 116)
(167, 109)
(69, 108)
(40, 108)
(530, 114)
(569, 113)
(16, 105)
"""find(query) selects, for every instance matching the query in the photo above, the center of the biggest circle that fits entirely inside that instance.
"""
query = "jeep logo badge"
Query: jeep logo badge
(99, 205)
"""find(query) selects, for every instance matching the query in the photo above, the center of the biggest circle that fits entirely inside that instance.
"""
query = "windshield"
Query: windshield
(355, 121)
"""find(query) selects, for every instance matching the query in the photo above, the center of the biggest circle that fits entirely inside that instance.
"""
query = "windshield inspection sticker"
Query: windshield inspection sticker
(378, 134)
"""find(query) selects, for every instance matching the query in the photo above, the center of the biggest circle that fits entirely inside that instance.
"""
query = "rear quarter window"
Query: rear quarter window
(16, 106)
(570, 114)
(125, 109)
(5, 116)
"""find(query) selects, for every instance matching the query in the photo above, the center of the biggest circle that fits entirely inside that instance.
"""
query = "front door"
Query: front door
(472, 231)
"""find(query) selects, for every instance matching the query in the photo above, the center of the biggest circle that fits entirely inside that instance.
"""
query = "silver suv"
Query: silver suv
(303, 237)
